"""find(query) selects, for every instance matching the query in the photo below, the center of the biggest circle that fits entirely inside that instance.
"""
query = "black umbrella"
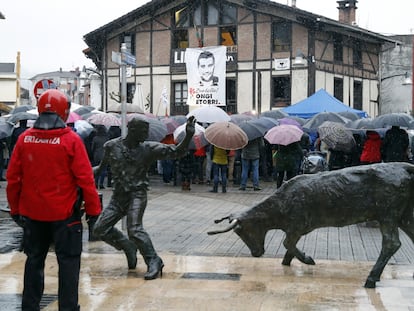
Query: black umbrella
(349, 115)
(18, 116)
(258, 127)
(6, 128)
(252, 130)
(239, 118)
(319, 118)
(266, 122)
(364, 123)
(156, 130)
(179, 118)
(392, 119)
(22, 108)
(84, 110)
(275, 114)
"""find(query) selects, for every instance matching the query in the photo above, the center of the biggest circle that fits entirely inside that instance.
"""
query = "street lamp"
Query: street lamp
(392, 85)
(407, 80)
(301, 59)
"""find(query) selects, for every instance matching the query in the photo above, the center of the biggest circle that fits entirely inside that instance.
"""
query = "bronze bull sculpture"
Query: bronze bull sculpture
(383, 192)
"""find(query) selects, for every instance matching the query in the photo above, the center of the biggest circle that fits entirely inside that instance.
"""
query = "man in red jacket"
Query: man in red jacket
(48, 170)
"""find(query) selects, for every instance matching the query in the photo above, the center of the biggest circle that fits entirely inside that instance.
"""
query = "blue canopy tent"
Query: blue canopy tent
(321, 101)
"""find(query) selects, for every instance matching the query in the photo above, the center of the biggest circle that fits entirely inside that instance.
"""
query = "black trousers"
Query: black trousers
(66, 236)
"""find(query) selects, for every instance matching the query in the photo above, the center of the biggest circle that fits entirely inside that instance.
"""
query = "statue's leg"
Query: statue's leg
(407, 226)
(141, 238)
(105, 230)
(390, 244)
(292, 251)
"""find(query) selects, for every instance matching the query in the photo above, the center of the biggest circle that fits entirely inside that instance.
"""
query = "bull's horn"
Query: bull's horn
(232, 225)
(220, 220)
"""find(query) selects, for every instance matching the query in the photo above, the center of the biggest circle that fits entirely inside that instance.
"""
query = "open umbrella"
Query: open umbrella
(170, 123)
(274, 113)
(84, 109)
(107, 119)
(290, 121)
(226, 135)
(336, 136)
(180, 119)
(252, 129)
(22, 108)
(6, 128)
(23, 115)
(239, 118)
(258, 127)
(284, 134)
(83, 128)
(349, 115)
(392, 119)
(266, 122)
(197, 141)
(73, 116)
(156, 130)
(209, 114)
(363, 123)
(318, 119)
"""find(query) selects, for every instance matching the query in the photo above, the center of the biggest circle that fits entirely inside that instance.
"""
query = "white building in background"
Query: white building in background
(396, 76)
(277, 55)
(8, 84)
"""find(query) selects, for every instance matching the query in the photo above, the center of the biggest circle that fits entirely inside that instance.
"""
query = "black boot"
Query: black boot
(215, 188)
(115, 238)
(155, 266)
(224, 189)
(130, 251)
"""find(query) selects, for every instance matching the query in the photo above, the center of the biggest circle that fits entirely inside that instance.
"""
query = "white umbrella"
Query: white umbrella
(197, 141)
(209, 114)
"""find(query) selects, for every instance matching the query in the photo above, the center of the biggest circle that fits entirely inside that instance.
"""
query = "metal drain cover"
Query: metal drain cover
(212, 276)
(14, 301)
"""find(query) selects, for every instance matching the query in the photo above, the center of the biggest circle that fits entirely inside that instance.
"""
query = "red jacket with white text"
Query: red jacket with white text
(45, 169)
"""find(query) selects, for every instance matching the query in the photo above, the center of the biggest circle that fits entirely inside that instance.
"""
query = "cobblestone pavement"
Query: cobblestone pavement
(178, 221)
(217, 273)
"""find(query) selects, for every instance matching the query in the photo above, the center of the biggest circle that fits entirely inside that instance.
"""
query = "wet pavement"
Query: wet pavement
(217, 272)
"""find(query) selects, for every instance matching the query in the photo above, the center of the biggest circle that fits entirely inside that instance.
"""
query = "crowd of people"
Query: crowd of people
(46, 199)
(260, 160)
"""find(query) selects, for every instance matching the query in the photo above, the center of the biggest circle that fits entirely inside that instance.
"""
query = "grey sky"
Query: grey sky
(49, 33)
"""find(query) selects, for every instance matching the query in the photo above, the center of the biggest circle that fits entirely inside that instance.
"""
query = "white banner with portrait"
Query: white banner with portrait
(206, 76)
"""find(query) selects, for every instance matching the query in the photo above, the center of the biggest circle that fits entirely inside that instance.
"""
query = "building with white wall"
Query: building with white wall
(277, 55)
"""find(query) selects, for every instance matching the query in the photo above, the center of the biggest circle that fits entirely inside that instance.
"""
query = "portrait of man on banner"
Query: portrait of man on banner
(206, 76)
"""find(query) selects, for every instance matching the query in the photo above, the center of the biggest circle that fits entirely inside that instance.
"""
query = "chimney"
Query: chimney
(293, 3)
(347, 10)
